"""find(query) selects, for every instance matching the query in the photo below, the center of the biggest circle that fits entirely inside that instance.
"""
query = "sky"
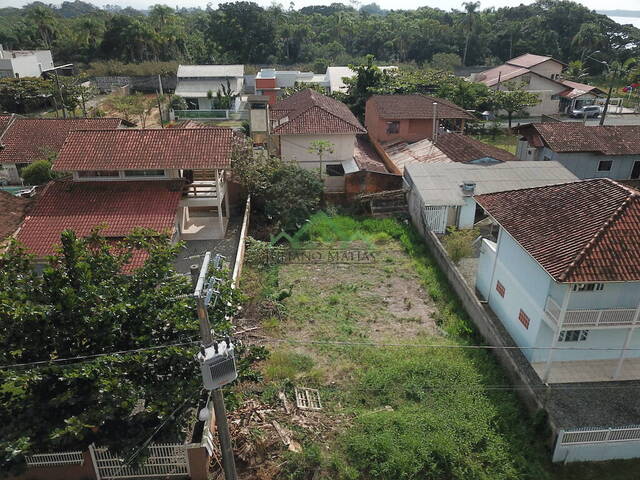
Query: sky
(387, 4)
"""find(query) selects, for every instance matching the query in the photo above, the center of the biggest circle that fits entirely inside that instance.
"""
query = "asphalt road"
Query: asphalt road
(610, 119)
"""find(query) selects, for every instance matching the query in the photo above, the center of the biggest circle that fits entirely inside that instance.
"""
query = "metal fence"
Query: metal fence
(166, 460)
(202, 114)
(55, 459)
(592, 436)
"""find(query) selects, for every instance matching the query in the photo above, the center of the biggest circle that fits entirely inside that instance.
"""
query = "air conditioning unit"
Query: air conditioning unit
(218, 365)
(468, 188)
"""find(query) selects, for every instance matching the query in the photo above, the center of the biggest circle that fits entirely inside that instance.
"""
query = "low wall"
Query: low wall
(64, 472)
(371, 182)
(146, 83)
(530, 389)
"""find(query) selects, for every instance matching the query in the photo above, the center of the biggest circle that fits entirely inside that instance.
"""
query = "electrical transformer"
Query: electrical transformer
(218, 365)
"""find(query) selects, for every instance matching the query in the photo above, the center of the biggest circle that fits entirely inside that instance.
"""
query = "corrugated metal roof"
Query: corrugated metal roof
(439, 183)
(210, 70)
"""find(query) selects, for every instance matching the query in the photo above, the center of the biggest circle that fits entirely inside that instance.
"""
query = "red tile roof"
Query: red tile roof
(462, 148)
(401, 107)
(28, 139)
(366, 156)
(132, 149)
(576, 89)
(309, 112)
(81, 206)
(586, 231)
(577, 137)
(12, 211)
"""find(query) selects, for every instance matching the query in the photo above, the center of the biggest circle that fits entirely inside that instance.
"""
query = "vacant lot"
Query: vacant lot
(399, 409)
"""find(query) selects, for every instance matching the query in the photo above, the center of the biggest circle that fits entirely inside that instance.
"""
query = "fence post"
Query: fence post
(94, 461)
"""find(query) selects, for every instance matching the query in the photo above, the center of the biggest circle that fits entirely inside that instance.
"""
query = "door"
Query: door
(635, 172)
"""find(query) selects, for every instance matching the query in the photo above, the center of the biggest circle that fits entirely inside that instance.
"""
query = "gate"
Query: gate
(164, 460)
(435, 218)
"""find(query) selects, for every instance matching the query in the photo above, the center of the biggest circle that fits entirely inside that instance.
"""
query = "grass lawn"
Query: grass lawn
(505, 141)
(398, 412)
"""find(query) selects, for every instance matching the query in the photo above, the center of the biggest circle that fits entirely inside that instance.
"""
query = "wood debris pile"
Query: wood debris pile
(261, 433)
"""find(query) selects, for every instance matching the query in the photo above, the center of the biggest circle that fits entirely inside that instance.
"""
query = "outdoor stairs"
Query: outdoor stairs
(390, 204)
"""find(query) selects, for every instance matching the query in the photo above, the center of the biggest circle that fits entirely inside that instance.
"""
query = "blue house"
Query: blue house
(610, 151)
(563, 277)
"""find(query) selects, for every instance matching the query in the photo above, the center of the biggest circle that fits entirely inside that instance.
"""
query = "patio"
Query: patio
(590, 371)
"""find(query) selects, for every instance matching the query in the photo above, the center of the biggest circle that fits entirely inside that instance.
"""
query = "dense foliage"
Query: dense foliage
(83, 305)
(245, 32)
(283, 194)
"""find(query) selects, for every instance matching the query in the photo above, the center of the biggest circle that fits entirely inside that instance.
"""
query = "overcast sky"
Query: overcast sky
(388, 4)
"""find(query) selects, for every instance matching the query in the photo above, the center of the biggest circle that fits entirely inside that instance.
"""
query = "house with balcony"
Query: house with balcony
(26, 140)
(173, 181)
(411, 118)
(563, 277)
(199, 85)
(609, 151)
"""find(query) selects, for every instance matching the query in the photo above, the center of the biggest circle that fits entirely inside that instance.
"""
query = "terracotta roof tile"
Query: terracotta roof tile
(12, 212)
(462, 148)
(81, 206)
(586, 231)
(27, 139)
(366, 156)
(529, 60)
(576, 137)
(132, 149)
(310, 112)
(416, 106)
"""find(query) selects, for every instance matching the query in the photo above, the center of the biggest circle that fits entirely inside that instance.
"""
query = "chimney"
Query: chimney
(468, 188)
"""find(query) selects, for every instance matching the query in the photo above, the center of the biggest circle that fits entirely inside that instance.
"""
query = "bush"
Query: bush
(37, 173)
(459, 243)
(177, 103)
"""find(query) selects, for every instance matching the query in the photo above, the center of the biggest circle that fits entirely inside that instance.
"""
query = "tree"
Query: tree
(367, 79)
(177, 102)
(83, 305)
(513, 101)
(21, 95)
(300, 86)
(130, 106)
(469, 25)
(616, 72)
(576, 71)
(44, 19)
(445, 61)
(320, 148)
(37, 173)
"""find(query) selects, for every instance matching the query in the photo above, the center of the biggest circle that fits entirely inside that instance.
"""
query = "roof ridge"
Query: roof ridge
(542, 186)
(601, 231)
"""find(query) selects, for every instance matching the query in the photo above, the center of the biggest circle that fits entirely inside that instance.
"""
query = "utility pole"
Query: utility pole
(64, 112)
(202, 295)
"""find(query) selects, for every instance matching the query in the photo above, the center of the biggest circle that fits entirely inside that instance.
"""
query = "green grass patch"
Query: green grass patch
(504, 141)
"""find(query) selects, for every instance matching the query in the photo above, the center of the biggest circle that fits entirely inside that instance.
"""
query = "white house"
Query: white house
(587, 151)
(196, 83)
(441, 193)
(24, 63)
(308, 116)
(563, 277)
(541, 75)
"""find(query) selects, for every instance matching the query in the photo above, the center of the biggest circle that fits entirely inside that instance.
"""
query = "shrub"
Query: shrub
(37, 173)
(459, 243)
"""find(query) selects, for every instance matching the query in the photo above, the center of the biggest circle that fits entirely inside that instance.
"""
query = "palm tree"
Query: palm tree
(589, 38)
(469, 25)
(617, 71)
(576, 70)
(44, 20)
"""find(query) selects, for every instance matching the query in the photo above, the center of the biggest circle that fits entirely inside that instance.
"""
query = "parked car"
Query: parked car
(588, 111)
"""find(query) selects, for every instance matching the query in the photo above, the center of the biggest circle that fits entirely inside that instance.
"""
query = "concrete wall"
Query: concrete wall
(585, 164)
(596, 452)
(410, 130)
(526, 287)
(543, 87)
(467, 215)
(65, 472)
(295, 148)
(10, 172)
(548, 68)
(26, 66)
(371, 182)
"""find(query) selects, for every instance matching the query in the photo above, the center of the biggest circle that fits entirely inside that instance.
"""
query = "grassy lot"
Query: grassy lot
(403, 411)
(505, 141)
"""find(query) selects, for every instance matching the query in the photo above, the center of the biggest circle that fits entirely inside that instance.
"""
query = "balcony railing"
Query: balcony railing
(201, 190)
(604, 318)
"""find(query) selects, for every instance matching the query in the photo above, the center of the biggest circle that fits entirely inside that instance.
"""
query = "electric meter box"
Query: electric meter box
(218, 368)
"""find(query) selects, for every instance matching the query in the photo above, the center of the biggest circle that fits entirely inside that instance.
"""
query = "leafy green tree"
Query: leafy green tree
(37, 173)
(44, 19)
(445, 61)
(83, 305)
(368, 80)
(299, 86)
(575, 71)
(617, 72)
(177, 102)
(513, 101)
(21, 95)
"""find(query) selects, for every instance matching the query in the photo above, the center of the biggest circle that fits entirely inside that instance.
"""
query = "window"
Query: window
(334, 170)
(500, 289)
(98, 173)
(573, 335)
(605, 165)
(588, 287)
(393, 127)
(144, 173)
(524, 319)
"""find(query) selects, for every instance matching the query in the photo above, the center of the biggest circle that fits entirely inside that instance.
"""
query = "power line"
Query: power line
(80, 358)
(436, 345)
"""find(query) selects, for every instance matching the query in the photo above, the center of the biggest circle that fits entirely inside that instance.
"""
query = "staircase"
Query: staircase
(391, 204)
